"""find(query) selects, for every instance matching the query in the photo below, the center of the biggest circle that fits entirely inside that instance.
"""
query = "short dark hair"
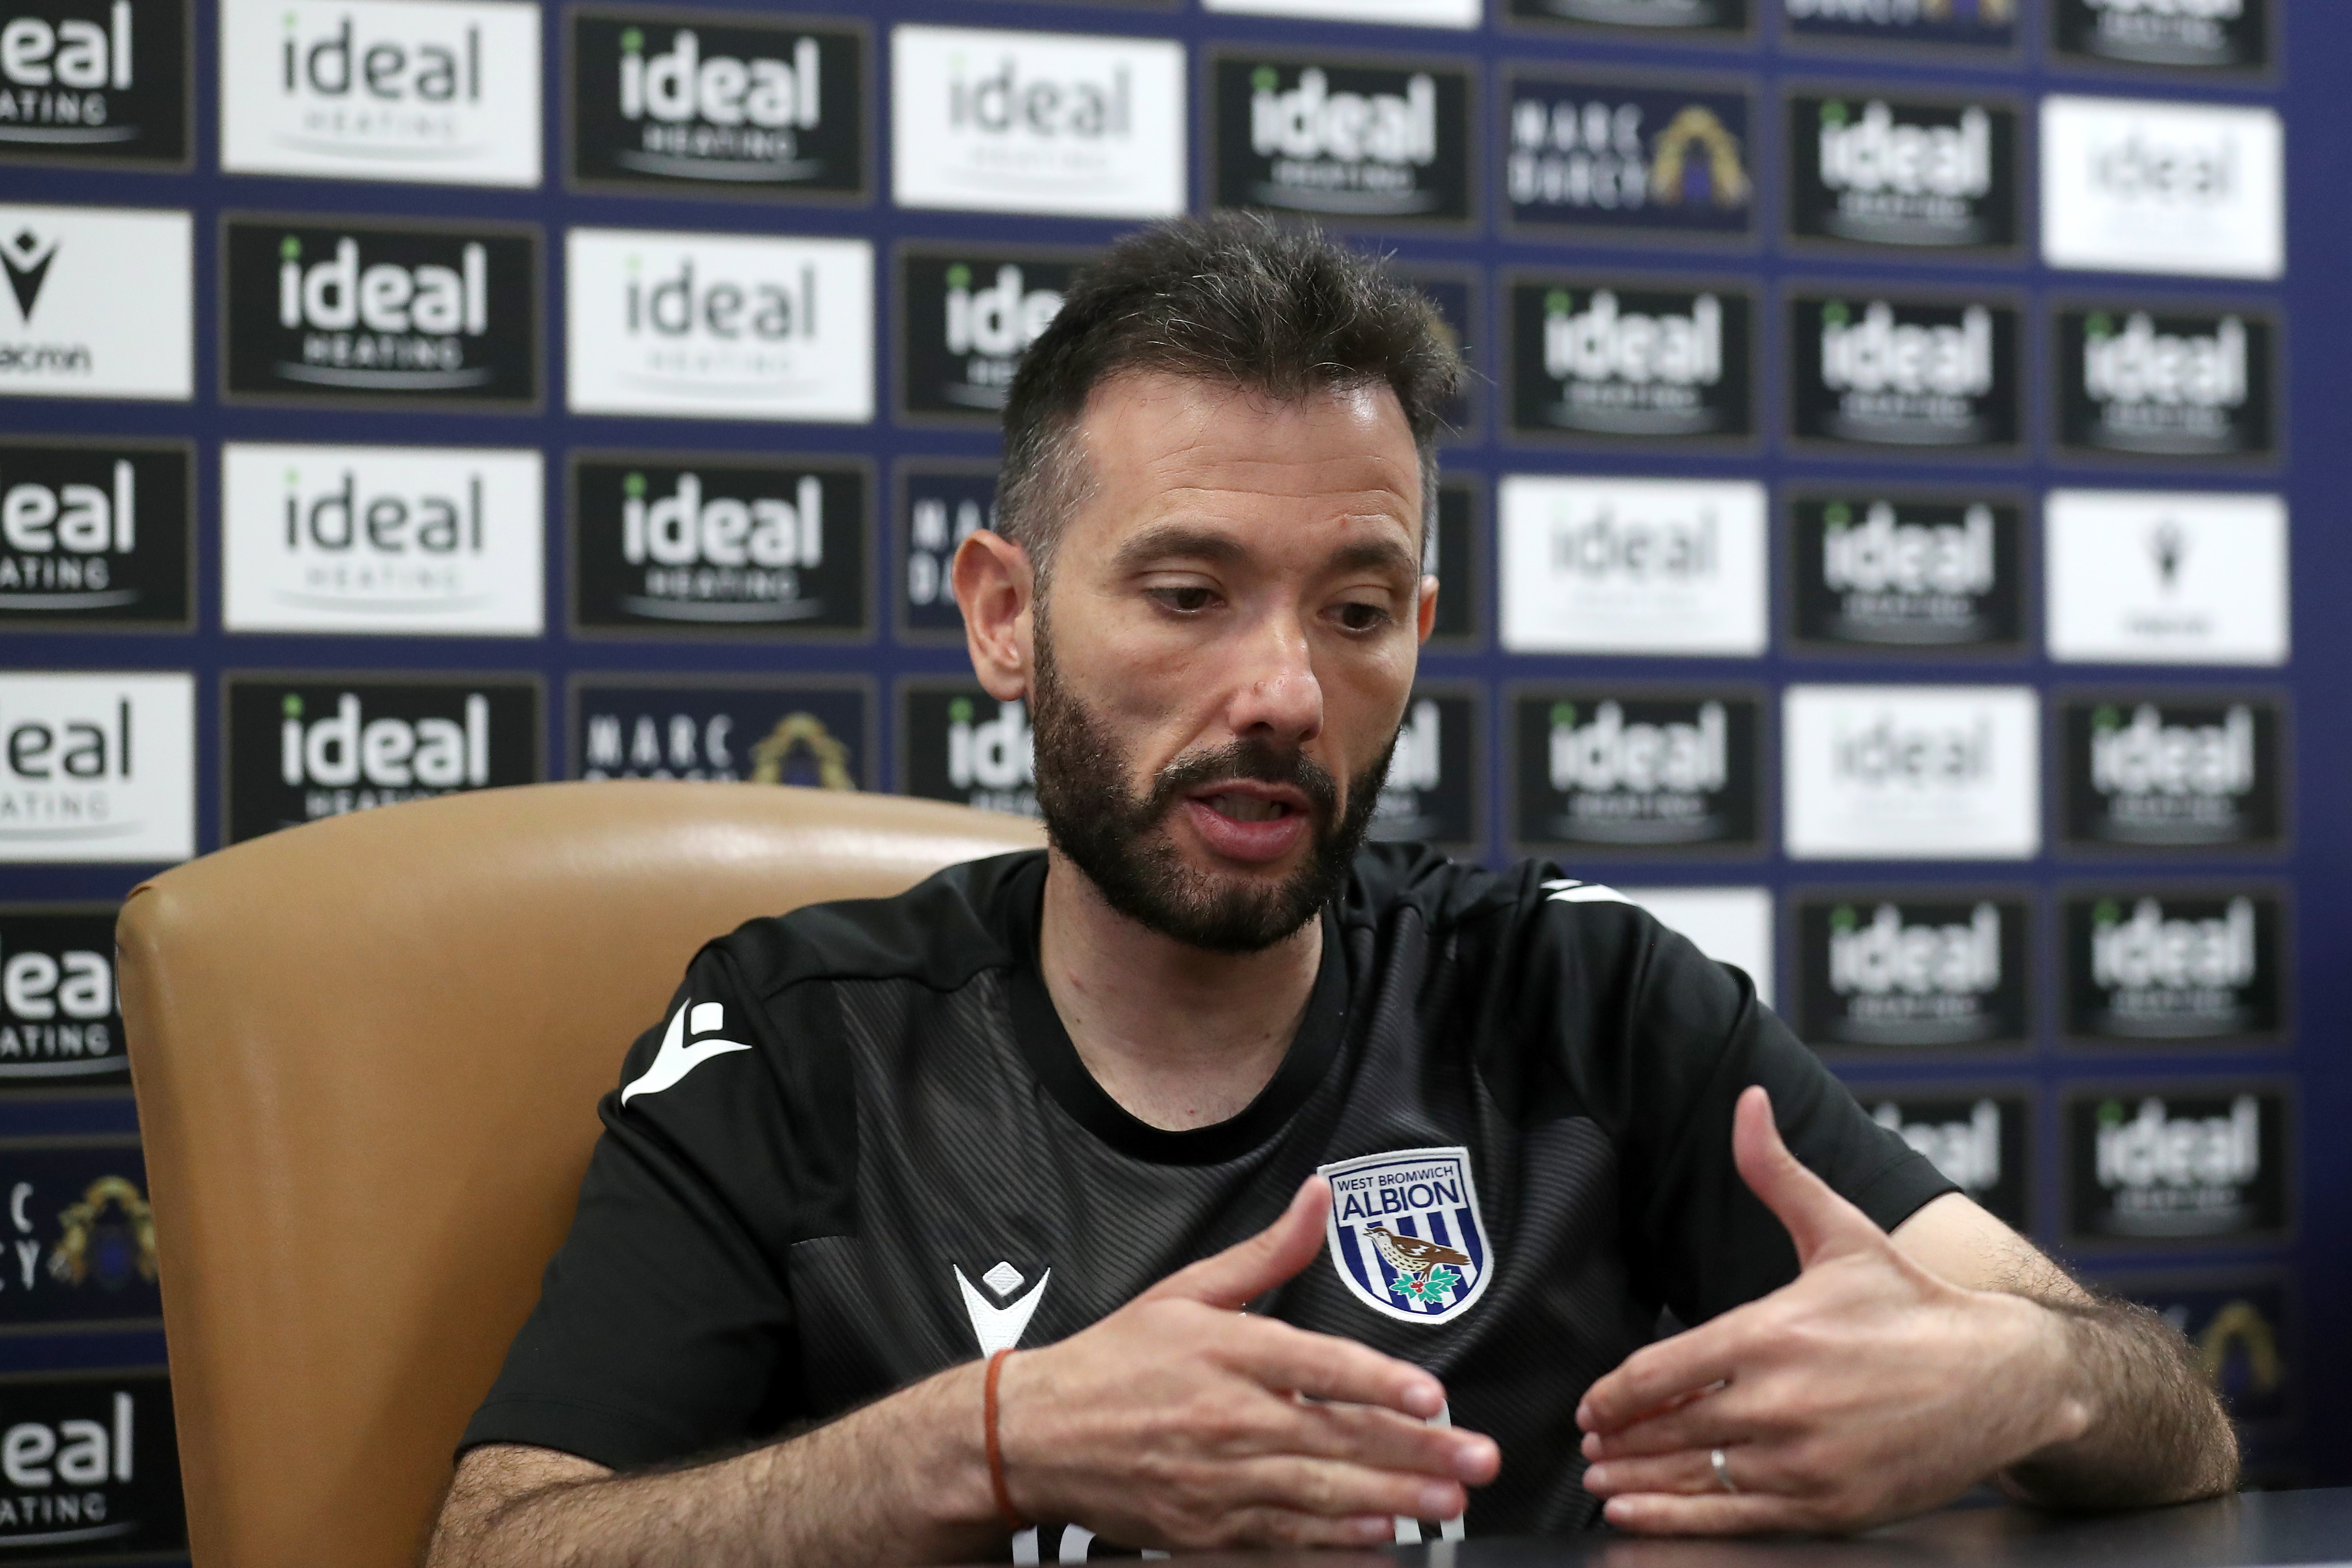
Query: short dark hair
(1233, 298)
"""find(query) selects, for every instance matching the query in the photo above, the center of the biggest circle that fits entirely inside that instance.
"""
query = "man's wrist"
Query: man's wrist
(2052, 1361)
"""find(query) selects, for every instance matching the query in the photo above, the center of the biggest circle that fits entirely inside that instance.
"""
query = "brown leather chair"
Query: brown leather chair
(367, 1055)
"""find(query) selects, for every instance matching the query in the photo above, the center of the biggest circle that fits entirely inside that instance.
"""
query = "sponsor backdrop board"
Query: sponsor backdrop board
(1890, 532)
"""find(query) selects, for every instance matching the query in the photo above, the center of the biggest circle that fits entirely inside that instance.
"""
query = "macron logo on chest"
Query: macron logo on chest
(677, 1058)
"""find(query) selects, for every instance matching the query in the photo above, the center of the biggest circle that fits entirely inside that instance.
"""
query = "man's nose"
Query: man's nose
(1276, 695)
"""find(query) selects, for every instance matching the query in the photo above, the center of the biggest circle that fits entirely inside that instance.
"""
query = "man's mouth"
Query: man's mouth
(1247, 808)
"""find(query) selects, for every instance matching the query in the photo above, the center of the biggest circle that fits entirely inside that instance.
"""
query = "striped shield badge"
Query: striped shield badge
(1405, 1233)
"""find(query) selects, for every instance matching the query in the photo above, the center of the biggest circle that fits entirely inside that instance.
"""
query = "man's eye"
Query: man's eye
(1188, 600)
(1358, 616)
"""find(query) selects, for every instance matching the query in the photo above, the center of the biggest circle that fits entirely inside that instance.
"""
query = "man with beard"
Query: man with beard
(1212, 1178)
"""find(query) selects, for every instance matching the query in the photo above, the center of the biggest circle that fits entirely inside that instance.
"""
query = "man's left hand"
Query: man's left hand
(1865, 1390)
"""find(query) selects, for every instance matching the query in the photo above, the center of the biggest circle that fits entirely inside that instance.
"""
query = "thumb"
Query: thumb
(1823, 1225)
(1243, 1272)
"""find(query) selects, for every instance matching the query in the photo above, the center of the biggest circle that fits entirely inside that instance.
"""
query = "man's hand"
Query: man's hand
(1181, 1421)
(1867, 1389)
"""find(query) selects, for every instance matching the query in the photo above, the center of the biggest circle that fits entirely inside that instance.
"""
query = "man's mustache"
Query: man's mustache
(1255, 761)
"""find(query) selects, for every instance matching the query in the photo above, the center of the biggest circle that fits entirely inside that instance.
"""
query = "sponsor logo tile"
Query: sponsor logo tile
(1660, 771)
(1659, 566)
(1910, 971)
(101, 83)
(1907, 573)
(815, 732)
(100, 303)
(1343, 139)
(96, 533)
(2158, 772)
(2166, 577)
(60, 1013)
(2174, 965)
(98, 766)
(1604, 156)
(2141, 186)
(1928, 772)
(2178, 1165)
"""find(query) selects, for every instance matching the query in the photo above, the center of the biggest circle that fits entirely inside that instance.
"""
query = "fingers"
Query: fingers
(1666, 1374)
(1716, 1514)
(1686, 1472)
(1333, 1489)
(1387, 1441)
(1248, 1269)
(1818, 1220)
(1700, 1424)
(1324, 1366)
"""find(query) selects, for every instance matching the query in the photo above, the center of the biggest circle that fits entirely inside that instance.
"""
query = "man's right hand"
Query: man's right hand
(1181, 1421)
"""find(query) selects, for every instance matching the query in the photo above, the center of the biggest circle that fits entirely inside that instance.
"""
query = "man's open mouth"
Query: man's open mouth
(1246, 807)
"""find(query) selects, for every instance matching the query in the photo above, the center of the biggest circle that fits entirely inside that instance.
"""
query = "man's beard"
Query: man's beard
(1123, 845)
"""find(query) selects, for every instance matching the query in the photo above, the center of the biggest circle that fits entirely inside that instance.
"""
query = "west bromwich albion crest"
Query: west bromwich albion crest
(1405, 1233)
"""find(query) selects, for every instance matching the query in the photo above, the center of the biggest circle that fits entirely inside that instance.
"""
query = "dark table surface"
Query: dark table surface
(2253, 1531)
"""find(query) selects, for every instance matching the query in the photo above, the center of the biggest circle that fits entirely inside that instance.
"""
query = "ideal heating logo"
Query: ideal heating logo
(722, 557)
(1635, 548)
(1884, 956)
(356, 310)
(97, 767)
(92, 532)
(1908, 375)
(93, 80)
(304, 751)
(2175, 967)
(2158, 185)
(381, 89)
(1966, 1152)
(2187, 384)
(1888, 753)
(1905, 174)
(1426, 797)
(2211, 34)
(1912, 771)
(969, 318)
(1635, 362)
(2163, 780)
(1890, 573)
(1657, 774)
(992, 762)
(344, 765)
(59, 1016)
(2180, 1165)
(1344, 141)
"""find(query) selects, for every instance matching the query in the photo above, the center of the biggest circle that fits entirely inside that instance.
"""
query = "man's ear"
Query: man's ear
(1427, 613)
(994, 587)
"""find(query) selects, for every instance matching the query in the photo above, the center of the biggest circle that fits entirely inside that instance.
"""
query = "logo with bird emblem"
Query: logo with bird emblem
(1405, 1233)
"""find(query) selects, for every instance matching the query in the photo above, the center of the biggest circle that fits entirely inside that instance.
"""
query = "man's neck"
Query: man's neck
(1179, 1037)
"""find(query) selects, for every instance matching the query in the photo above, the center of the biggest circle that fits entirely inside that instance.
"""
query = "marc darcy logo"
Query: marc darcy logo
(2175, 966)
(1630, 360)
(100, 302)
(2155, 1166)
(94, 81)
(812, 733)
(728, 326)
(97, 766)
(1873, 373)
(940, 506)
(1879, 573)
(958, 743)
(1649, 16)
(382, 539)
(60, 1016)
(1343, 139)
(1982, 24)
(304, 749)
(721, 103)
(2173, 774)
(1977, 1142)
(1432, 791)
(438, 91)
(94, 533)
(2210, 35)
(2174, 383)
(719, 545)
(391, 313)
(76, 1241)
(1869, 169)
(966, 317)
(1592, 155)
(91, 1463)
(1913, 973)
(1597, 770)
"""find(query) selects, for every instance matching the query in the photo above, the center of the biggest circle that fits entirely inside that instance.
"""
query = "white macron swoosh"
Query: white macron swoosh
(999, 1327)
(677, 1058)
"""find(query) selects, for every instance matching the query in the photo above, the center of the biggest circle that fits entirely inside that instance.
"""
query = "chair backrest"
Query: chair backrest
(367, 1053)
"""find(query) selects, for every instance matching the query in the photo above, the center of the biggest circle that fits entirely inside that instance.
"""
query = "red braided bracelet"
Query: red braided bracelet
(1004, 1509)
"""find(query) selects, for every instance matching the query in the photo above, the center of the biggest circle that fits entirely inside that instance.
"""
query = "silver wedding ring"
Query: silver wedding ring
(1715, 1456)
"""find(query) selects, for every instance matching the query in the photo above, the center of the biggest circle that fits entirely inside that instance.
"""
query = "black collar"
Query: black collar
(1038, 1030)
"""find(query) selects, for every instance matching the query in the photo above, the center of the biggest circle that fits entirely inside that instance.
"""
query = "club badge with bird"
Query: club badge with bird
(1426, 1270)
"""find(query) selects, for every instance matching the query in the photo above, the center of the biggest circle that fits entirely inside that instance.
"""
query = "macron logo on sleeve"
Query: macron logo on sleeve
(677, 1058)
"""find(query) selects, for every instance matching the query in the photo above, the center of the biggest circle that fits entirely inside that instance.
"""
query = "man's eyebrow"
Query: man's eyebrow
(1376, 555)
(1176, 541)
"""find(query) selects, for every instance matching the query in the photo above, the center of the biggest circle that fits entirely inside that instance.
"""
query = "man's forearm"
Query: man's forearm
(901, 1480)
(2156, 1433)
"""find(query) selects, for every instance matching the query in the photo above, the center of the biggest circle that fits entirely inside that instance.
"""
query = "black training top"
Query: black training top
(860, 1148)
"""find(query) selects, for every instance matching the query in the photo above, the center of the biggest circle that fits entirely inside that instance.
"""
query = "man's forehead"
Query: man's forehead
(1157, 441)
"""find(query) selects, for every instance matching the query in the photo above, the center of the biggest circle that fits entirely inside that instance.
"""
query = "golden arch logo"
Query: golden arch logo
(797, 732)
(110, 1234)
(2240, 1329)
(1696, 127)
